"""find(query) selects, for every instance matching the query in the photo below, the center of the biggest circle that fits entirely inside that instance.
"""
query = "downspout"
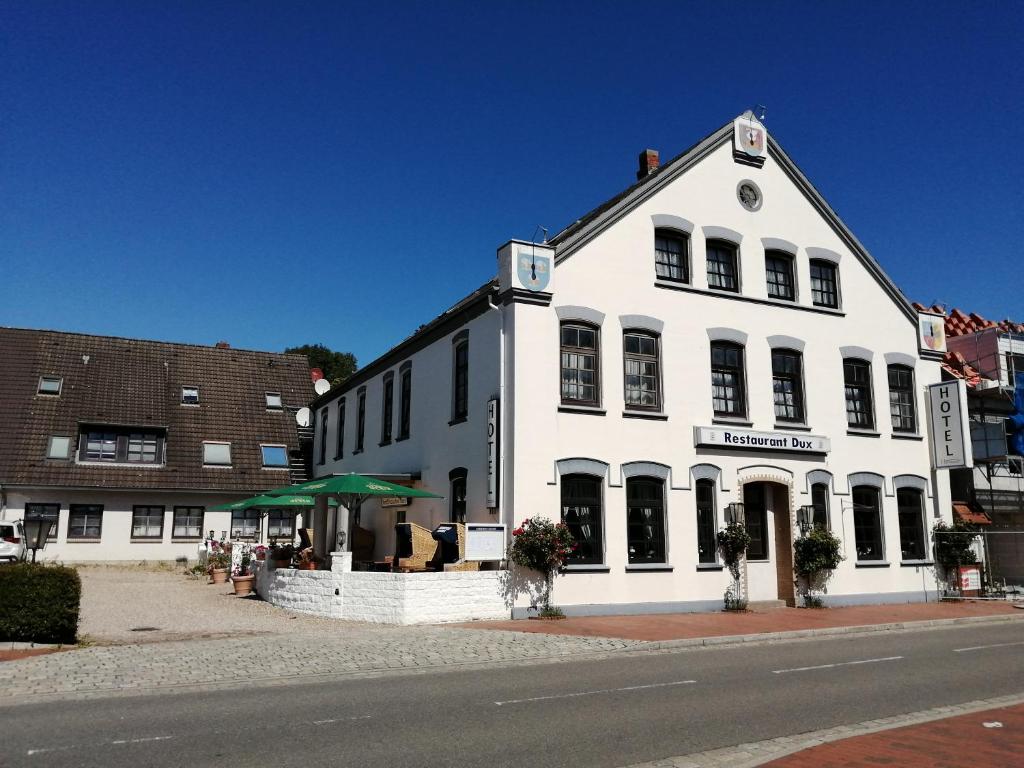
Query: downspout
(502, 409)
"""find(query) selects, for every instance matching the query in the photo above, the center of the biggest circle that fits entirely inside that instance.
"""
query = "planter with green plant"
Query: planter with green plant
(219, 561)
(282, 555)
(815, 558)
(954, 548)
(542, 546)
(242, 577)
(733, 541)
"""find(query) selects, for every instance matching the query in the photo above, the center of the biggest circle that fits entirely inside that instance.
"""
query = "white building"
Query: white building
(714, 335)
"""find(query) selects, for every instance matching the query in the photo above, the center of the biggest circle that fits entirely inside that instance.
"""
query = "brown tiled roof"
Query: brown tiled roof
(970, 513)
(956, 364)
(131, 382)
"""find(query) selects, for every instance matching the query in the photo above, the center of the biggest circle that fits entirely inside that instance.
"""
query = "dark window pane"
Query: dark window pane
(85, 521)
(859, 409)
(280, 524)
(579, 365)
(460, 396)
(406, 405)
(360, 421)
(707, 526)
(901, 399)
(147, 522)
(722, 268)
(779, 272)
(640, 369)
(787, 385)
(755, 515)
(867, 523)
(245, 523)
(188, 522)
(458, 500)
(340, 446)
(645, 520)
(727, 384)
(824, 284)
(819, 499)
(910, 502)
(670, 262)
(388, 410)
(581, 512)
(323, 436)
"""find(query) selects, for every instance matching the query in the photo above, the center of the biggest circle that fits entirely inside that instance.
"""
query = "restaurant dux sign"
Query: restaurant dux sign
(727, 437)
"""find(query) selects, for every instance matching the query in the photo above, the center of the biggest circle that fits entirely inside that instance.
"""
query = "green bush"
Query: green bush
(816, 557)
(39, 603)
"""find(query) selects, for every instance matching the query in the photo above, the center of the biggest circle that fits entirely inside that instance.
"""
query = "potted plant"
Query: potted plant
(733, 541)
(308, 561)
(543, 546)
(242, 576)
(219, 562)
(261, 552)
(815, 558)
(282, 555)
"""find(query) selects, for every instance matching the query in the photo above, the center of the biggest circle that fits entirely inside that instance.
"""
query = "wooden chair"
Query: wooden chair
(416, 548)
(363, 543)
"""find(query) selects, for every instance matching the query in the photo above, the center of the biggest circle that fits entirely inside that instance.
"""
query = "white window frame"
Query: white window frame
(187, 403)
(263, 456)
(211, 443)
(269, 398)
(50, 445)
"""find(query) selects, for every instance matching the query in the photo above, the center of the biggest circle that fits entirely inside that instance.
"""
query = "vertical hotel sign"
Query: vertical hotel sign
(947, 420)
(492, 453)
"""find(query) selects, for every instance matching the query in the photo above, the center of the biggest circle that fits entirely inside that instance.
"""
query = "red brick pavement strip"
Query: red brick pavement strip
(955, 742)
(680, 626)
(25, 653)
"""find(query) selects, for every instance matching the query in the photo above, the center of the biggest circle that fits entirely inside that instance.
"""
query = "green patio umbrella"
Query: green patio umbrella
(352, 486)
(264, 502)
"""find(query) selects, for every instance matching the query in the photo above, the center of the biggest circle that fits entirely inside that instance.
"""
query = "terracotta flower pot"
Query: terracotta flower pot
(282, 563)
(307, 566)
(218, 575)
(243, 584)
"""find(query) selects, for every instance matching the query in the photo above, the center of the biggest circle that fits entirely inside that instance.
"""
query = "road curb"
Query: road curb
(796, 634)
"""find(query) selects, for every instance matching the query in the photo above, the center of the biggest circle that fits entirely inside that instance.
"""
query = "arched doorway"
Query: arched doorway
(767, 510)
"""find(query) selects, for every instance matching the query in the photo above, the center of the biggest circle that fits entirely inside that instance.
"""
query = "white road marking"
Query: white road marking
(42, 750)
(142, 740)
(594, 693)
(983, 647)
(993, 724)
(837, 664)
(342, 719)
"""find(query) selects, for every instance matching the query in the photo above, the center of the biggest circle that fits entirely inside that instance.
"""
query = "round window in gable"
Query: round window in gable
(749, 195)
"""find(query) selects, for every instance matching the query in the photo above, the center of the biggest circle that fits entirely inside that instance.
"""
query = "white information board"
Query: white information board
(485, 541)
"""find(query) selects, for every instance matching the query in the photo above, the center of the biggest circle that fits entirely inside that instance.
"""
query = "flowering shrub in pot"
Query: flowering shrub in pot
(242, 576)
(543, 546)
(219, 560)
(733, 541)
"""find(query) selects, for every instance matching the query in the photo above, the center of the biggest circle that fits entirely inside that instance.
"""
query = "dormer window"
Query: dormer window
(190, 395)
(274, 401)
(117, 445)
(50, 385)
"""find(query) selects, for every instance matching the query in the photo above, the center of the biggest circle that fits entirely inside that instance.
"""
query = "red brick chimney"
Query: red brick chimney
(222, 345)
(648, 163)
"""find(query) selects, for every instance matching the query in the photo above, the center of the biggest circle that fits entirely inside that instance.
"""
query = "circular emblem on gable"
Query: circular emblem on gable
(749, 195)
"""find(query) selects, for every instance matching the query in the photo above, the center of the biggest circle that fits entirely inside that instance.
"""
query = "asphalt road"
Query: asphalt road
(609, 712)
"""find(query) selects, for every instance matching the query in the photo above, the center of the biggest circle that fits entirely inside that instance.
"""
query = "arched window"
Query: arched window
(728, 388)
(901, 399)
(723, 266)
(580, 364)
(867, 522)
(788, 385)
(671, 255)
(860, 411)
(819, 500)
(405, 401)
(910, 502)
(641, 372)
(645, 520)
(707, 522)
(387, 401)
(778, 268)
(460, 377)
(581, 513)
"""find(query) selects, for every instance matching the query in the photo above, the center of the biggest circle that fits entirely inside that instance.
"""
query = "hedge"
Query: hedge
(39, 603)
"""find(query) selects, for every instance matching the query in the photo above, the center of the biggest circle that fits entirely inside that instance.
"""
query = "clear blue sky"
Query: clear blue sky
(277, 173)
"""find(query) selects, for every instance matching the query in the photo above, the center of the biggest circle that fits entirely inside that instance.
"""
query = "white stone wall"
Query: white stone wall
(387, 598)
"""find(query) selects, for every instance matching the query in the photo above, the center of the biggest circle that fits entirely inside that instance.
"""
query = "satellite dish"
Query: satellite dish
(321, 386)
(302, 417)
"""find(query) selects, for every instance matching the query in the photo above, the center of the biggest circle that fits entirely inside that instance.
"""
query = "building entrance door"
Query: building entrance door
(766, 510)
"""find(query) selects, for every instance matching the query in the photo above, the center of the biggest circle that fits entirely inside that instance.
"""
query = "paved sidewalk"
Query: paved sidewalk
(978, 734)
(681, 626)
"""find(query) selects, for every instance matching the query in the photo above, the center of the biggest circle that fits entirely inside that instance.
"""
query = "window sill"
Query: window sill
(906, 436)
(916, 563)
(356, 452)
(217, 466)
(649, 568)
(586, 569)
(674, 285)
(277, 469)
(187, 540)
(760, 560)
(716, 289)
(400, 438)
(794, 427)
(871, 564)
(144, 540)
(458, 420)
(585, 409)
(82, 540)
(382, 443)
(650, 415)
(863, 433)
(337, 457)
(710, 567)
(731, 422)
